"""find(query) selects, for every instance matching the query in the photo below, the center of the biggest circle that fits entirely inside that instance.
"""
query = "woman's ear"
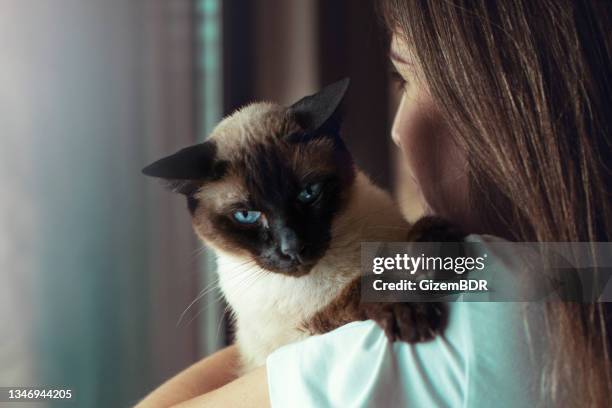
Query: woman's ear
(321, 113)
(188, 167)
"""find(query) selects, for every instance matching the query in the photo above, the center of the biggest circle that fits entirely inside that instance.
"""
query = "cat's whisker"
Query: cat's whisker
(241, 271)
(199, 312)
(241, 286)
(212, 286)
(199, 249)
(246, 262)
(248, 280)
(204, 307)
(197, 252)
(219, 325)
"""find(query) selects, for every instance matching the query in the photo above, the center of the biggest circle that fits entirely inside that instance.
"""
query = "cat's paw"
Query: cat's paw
(409, 322)
(435, 229)
(432, 229)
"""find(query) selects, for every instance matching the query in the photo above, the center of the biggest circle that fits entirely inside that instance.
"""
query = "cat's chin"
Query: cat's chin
(296, 271)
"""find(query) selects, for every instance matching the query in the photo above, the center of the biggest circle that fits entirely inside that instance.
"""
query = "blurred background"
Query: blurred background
(103, 281)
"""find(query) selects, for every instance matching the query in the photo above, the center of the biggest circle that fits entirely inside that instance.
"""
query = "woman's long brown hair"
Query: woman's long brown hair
(527, 88)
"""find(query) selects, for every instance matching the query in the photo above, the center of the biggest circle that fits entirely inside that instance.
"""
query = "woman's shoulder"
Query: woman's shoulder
(488, 355)
(484, 358)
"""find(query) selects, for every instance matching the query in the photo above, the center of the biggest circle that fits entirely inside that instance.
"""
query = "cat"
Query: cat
(276, 194)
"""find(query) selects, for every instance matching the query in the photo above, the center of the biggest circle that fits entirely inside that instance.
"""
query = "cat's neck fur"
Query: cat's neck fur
(269, 308)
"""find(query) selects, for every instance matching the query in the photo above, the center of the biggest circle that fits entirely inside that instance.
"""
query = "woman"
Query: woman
(514, 97)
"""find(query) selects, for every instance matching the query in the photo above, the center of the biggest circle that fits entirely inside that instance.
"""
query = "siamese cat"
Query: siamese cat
(274, 191)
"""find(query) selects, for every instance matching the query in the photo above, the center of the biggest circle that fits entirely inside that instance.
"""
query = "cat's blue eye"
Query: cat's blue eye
(246, 216)
(310, 193)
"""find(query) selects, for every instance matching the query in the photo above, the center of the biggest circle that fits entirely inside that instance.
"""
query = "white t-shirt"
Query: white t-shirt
(490, 355)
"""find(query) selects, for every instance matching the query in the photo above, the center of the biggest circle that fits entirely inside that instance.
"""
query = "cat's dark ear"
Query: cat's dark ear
(187, 168)
(321, 112)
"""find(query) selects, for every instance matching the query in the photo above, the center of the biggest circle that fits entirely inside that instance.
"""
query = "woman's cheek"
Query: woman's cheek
(412, 132)
(434, 162)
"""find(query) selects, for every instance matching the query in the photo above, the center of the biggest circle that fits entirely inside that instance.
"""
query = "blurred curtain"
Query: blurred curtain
(96, 262)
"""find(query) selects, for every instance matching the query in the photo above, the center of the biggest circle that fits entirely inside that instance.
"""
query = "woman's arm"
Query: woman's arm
(204, 376)
(250, 390)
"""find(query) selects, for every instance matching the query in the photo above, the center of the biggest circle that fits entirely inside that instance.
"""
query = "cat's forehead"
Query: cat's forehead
(254, 124)
(261, 160)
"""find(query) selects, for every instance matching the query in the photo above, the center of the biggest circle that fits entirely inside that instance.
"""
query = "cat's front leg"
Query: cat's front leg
(411, 322)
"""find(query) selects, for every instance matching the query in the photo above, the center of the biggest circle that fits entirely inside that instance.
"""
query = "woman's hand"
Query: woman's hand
(206, 375)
